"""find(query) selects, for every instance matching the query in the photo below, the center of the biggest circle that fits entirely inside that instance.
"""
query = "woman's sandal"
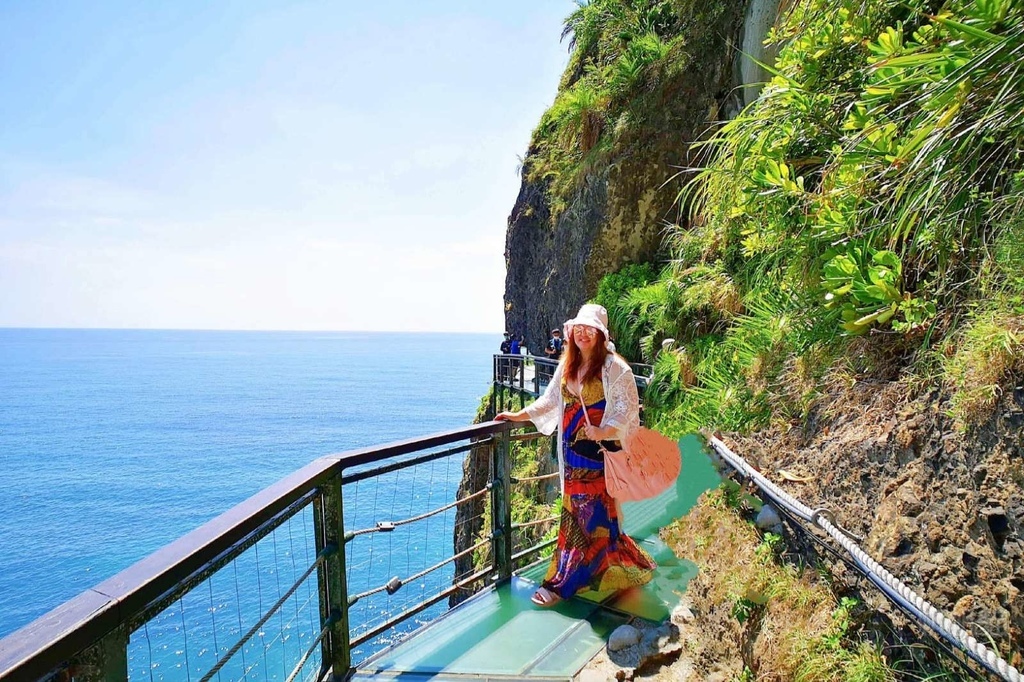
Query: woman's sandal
(545, 598)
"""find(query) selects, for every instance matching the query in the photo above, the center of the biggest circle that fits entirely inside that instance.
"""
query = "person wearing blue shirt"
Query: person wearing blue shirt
(514, 350)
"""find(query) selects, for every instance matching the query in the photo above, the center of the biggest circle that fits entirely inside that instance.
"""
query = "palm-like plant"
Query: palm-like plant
(956, 92)
(912, 145)
(581, 115)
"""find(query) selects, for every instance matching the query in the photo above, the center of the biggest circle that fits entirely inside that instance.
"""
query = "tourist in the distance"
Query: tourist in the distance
(592, 552)
(513, 367)
(504, 369)
(554, 348)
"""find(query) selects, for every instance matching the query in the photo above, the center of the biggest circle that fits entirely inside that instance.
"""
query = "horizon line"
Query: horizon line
(251, 330)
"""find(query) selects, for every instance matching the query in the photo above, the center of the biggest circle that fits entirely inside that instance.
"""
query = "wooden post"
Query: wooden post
(329, 523)
(104, 661)
(501, 507)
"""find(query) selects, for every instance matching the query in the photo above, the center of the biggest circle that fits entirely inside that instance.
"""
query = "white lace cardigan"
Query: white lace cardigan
(621, 412)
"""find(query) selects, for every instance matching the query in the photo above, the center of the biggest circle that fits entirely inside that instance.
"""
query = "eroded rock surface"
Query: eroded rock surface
(618, 211)
(940, 508)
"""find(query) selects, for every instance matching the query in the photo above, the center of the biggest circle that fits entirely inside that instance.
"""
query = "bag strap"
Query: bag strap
(586, 416)
(583, 404)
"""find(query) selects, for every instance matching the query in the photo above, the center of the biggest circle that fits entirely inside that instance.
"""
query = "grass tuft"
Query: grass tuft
(985, 356)
(787, 620)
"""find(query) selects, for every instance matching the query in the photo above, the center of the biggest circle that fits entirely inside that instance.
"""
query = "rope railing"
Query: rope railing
(387, 526)
(409, 613)
(892, 586)
(536, 522)
(324, 631)
(533, 550)
(348, 514)
(529, 479)
(413, 461)
(510, 372)
(396, 583)
(273, 576)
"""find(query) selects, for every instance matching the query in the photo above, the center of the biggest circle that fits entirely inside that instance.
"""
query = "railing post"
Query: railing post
(536, 378)
(329, 525)
(104, 661)
(501, 507)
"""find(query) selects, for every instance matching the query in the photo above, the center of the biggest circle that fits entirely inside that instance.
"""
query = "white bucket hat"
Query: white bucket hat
(592, 315)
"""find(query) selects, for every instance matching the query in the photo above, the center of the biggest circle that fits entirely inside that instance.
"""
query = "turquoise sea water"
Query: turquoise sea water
(114, 443)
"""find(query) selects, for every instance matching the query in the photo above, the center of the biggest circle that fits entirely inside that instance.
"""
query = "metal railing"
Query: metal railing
(347, 578)
(530, 374)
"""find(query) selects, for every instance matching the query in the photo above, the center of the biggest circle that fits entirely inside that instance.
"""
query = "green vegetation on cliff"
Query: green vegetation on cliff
(790, 624)
(856, 231)
(848, 259)
(868, 206)
(626, 56)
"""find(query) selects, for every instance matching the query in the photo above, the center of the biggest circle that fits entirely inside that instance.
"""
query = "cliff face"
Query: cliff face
(870, 429)
(940, 508)
(618, 210)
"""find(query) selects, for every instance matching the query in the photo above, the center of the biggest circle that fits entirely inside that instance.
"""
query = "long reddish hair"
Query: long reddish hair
(574, 358)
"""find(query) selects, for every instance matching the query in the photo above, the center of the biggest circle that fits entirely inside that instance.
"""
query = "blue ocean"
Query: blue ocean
(113, 443)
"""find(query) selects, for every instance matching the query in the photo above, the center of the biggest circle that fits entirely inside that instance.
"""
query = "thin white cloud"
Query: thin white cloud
(269, 284)
(48, 191)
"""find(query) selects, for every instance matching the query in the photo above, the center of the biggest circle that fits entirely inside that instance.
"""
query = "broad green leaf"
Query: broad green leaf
(855, 328)
(886, 315)
(888, 259)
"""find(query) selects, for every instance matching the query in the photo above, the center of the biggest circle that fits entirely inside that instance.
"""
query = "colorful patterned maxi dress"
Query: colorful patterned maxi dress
(592, 553)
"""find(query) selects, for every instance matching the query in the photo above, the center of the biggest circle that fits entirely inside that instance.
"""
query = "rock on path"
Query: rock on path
(645, 651)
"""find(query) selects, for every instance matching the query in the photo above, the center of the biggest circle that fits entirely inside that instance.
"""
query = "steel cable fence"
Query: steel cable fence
(894, 588)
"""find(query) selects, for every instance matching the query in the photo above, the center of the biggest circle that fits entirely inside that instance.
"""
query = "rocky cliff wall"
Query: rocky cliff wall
(619, 209)
(941, 508)
(754, 54)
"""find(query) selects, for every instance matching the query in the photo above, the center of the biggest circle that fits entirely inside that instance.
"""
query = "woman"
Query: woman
(592, 552)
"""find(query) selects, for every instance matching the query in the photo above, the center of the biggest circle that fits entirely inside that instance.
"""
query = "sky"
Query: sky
(323, 165)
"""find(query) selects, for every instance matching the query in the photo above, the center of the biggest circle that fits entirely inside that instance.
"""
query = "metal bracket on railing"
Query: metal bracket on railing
(394, 585)
(821, 513)
(385, 526)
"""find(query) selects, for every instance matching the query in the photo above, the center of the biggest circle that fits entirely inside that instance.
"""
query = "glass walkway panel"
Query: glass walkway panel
(500, 634)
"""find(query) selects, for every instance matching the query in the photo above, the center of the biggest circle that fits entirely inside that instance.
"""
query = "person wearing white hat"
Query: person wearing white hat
(592, 552)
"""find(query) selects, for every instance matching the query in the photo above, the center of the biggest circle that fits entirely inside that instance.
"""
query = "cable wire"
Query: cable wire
(886, 581)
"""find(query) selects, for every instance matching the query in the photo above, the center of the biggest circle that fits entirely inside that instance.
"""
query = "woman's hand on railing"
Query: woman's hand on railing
(518, 416)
